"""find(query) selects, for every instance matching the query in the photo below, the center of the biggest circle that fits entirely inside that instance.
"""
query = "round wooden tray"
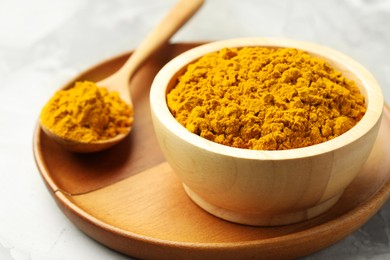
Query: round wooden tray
(128, 198)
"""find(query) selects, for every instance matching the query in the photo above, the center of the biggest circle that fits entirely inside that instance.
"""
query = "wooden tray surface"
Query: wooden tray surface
(129, 199)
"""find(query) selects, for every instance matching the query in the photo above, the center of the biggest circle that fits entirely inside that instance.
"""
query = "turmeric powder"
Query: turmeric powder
(86, 113)
(265, 99)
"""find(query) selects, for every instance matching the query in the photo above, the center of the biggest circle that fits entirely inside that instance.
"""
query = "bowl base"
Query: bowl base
(261, 219)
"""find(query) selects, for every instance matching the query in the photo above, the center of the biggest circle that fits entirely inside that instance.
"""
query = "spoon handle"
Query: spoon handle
(172, 22)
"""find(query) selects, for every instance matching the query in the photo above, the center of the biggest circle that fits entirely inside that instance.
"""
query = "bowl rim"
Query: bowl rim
(374, 99)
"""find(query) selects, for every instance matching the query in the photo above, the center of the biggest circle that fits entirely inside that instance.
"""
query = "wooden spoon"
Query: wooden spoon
(119, 81)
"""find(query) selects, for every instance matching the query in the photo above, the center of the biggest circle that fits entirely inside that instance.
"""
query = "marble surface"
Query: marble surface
(43, 43)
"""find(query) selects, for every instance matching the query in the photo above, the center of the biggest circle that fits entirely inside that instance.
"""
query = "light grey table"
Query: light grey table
(43, 43)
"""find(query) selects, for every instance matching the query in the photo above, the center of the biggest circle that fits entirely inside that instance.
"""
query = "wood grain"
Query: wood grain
(129, 199)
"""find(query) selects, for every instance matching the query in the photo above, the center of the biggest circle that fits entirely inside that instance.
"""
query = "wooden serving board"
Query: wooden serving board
(130, 200)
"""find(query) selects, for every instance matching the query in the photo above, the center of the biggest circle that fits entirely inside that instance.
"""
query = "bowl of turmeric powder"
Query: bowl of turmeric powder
(265, 131)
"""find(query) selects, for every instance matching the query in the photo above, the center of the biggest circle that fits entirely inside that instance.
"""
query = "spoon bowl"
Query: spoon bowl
(119, 81)
(83, 147)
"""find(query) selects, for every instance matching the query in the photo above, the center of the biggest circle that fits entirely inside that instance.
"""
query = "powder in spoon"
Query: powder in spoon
(265, 99)
(87, 113)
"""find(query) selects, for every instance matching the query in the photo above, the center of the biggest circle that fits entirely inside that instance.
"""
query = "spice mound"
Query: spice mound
(265, 99)
(86, 113)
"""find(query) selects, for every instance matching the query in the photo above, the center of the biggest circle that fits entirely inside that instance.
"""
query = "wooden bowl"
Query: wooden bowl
(265, 188)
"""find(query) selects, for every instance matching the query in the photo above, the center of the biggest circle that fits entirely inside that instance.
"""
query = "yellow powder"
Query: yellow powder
(265, 99)
(86, 113)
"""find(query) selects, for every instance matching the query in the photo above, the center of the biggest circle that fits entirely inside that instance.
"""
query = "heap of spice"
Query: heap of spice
(86, 113)
(265, 99)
